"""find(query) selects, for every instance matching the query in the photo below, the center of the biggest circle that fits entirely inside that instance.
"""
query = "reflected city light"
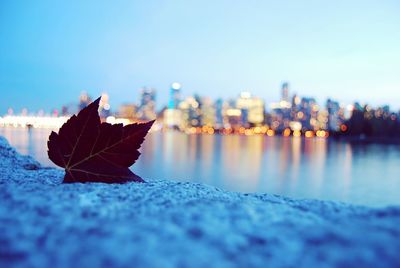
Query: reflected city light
(310, 167)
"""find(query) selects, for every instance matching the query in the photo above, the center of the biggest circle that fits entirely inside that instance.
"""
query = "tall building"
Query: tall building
(208, 112)
(295, 101)
(219, 113)
(334, 120)
(147, 96)
(309, 111)
(172, 115)
(232, 115)
(104, 106)
(252, 109)
(84, 100)
(256, 116)
(175, 96)
(281, 112)
(147, 107)
(243, 104)
(285, 92)
(284, 111)
(191, 112)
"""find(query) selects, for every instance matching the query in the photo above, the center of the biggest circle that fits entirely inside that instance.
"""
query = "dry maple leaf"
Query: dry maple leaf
(91, 151)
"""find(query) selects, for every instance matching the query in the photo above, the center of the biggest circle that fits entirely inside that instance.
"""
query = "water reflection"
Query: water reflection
(301, 168)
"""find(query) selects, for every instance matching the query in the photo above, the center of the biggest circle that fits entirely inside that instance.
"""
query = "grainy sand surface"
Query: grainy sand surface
(44, 223)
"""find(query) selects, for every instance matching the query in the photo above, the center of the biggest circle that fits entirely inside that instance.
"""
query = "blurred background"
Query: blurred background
(294, 98)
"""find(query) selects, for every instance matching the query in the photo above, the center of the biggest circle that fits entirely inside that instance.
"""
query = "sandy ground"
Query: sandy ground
(44, 223)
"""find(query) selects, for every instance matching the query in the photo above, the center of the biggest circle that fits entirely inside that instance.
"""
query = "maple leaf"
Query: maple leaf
(91, 151)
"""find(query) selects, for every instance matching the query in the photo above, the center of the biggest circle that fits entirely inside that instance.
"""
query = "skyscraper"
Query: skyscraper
(191, 112)
(309, 111)
(285, 92)
(334, 115)
(104, 106)
(172, 115)
(147, 96)
(252, 109)
(147, 107)
(175, 95)
(219, 117)
(84, 100)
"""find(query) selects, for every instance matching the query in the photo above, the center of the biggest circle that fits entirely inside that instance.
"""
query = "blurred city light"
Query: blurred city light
(245, 115)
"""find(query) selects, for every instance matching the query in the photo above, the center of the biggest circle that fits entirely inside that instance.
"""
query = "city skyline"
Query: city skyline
(284, 93)
(347, 51)
(246, 115)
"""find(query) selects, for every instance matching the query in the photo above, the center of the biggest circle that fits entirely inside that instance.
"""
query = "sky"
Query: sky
(50, 51)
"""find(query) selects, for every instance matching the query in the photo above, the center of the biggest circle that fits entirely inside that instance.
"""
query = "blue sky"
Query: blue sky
(52, 50)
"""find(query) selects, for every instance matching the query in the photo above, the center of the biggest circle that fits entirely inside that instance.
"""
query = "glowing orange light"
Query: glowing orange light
(343, 128)
(322, 134)
(270, 132)
(296, 133)
(264, 129)
(193, 130)
(286, 132)
(248, 132)
(309, 134)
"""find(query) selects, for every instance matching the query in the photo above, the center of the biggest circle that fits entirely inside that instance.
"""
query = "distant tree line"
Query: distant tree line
(372, 123)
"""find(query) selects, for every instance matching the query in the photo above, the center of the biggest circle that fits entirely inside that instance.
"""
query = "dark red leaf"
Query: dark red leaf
(91, 151)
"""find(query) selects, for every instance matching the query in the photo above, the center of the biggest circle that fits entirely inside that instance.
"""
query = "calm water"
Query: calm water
(312, 168)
